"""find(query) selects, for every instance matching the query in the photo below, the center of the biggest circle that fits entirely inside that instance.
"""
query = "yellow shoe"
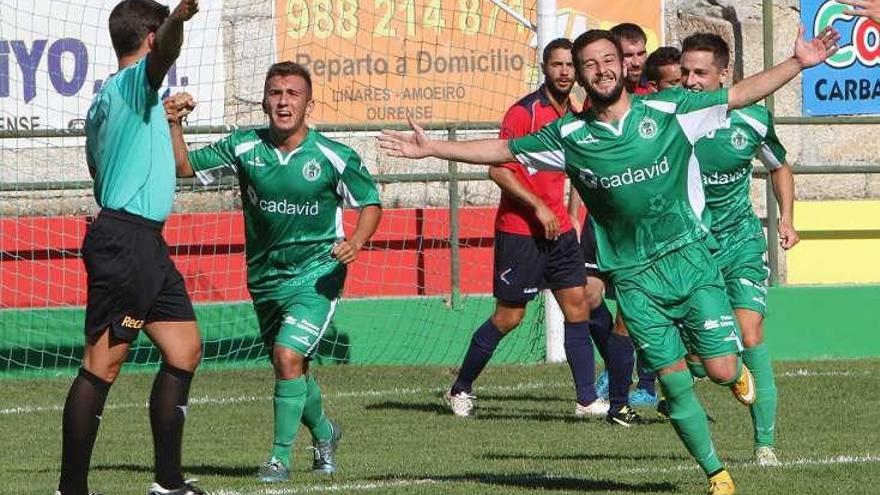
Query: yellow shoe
(721, 484)
(744, 387)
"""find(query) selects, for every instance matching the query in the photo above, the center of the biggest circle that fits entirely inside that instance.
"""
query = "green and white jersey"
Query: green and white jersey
(638, 177)
(725, 157)
(292, 203)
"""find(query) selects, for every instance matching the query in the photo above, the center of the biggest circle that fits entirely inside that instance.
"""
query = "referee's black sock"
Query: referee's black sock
(601, 323)
(82, 416)
(167, 414)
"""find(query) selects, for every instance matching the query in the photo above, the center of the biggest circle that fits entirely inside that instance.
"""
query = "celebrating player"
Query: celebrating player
(293, 184)
(632, 162)
(535, 246)
(725, 158)
(132, 282)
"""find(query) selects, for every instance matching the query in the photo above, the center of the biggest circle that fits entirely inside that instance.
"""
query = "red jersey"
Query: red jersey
(526, 116)
(642, 88)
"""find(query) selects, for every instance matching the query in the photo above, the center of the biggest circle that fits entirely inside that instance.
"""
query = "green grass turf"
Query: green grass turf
(399, 439)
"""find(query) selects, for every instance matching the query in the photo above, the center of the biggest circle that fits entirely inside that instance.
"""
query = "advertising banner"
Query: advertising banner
(56, 54)
(433, 60)
(849, 81)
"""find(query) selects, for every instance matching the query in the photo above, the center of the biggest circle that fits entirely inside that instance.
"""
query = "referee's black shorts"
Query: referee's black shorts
(132, 280)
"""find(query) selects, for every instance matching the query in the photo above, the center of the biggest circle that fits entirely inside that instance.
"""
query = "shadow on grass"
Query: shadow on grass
(526, 397)
(196, 469)
(544, 481)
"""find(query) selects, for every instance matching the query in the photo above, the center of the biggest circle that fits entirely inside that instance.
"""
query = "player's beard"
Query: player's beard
(603, 100)
(560, 95)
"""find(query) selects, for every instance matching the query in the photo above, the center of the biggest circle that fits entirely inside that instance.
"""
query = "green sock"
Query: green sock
(764, 409)
(689, 419)
(290, 395)
(313, 412)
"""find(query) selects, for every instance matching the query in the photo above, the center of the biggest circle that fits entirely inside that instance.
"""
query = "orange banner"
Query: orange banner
(434, 60)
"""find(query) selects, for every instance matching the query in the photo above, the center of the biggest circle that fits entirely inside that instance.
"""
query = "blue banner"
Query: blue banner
(848, 82)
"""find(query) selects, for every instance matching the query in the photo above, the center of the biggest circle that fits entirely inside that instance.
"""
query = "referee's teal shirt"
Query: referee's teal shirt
(128, 144)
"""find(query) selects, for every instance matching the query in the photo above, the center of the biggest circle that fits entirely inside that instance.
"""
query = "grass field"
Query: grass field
(400, 440)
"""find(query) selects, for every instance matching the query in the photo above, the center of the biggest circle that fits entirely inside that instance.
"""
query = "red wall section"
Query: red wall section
(408, 256)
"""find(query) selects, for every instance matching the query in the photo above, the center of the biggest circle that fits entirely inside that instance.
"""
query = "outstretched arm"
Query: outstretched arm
(864, 8)
(417, 144)
(169, 39)
(806, 54)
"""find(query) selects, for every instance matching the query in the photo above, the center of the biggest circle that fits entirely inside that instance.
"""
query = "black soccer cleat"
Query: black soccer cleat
(625, 417)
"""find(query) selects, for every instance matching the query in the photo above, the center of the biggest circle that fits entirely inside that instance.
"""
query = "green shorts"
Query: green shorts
(297, 315)
(679, 298)
(745, 270)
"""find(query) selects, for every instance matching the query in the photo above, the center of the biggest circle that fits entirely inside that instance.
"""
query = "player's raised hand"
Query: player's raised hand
(185, 10)
(864, 8)
(414, 144)
(815, 51)
(788, 236)
(178, 106)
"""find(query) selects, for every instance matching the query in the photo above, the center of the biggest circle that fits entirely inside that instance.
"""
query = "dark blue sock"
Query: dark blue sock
(601, 324)
(581, 359)
(646, 379)
(483, 345)
(620, 367)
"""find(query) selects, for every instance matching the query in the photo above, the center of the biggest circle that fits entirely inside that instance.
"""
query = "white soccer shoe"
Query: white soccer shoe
(462, 403)
(597, 408)
(766, 457)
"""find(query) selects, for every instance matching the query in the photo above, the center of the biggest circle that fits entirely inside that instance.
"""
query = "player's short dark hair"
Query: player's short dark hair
(131, 21)
(290, 69)
(665, 55)
(557, 44)
(630, 32)
(708, 42)
(590, 37)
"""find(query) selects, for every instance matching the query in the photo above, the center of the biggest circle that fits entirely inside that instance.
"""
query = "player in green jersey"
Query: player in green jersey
(294, 182)
(725, 158)
(631, 159)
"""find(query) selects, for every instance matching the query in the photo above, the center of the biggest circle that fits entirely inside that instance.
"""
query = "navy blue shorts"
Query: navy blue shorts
(132, 280)
(524, 265)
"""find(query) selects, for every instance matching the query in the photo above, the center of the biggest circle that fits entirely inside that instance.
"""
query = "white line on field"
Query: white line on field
(345, 487)
(825, 461)
(350, 394)
(799, 373)
(379, 485)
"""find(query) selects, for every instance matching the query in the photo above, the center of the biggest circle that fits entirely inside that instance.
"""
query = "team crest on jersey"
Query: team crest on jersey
(647, 128)
(312, 170)
(739, 140)
(658, 203)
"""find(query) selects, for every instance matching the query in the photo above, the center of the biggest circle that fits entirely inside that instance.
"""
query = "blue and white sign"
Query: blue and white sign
(56, 54)
(849, 81)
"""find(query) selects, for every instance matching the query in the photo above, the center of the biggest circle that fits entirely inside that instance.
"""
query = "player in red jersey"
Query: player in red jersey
(535, 246)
